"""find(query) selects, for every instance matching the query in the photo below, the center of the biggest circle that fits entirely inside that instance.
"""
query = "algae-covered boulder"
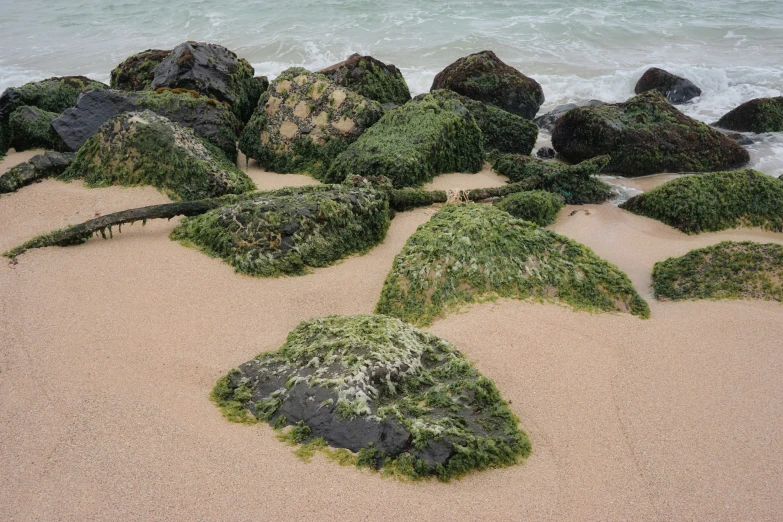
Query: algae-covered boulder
(536, 206)
(290, 230)
(144, 148)
(304, 121)
(136, 72)
(404, 400)
(576, 184)
(209, 119)
(31, 128)
(715, 201)
(413, 143)
(484, 77)
(371, 78)
(758, 115)
(213, 71)
(728, 270)
(40, 166)
(471, 253)
(547, 121)
(674, 88)
(644, 135)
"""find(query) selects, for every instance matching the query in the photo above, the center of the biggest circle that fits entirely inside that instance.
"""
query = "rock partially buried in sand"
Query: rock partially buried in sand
(645, 135)
(728, 270)
(144, 148)
(291, 230)
(404, 400)
(40, 166)
(31, 128)
(484, 77)
(371, 78)
(413, 143)
(470, 253)
(304, 121)
(674, 88)
(714, 201)
(136, 72)
(536, 206)
(758, 115)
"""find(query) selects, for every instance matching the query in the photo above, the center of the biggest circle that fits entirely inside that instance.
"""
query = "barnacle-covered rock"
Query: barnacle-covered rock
(371, 78)
(470, 252)
(136, 72)
(304, 121)
(144, 148)
(405, 400)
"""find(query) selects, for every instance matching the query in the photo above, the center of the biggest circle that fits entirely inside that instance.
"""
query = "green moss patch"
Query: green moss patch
(406, 401)
(145, 148)
(576, 184)
(536, 206)
(413, 143)
(471, 253)
(31, 128)
(371, 78)
(715, 201)
(758, 115)
(728, 270)
(290, 230)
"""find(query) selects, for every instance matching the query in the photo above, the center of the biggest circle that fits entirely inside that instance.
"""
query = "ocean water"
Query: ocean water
(577, 50)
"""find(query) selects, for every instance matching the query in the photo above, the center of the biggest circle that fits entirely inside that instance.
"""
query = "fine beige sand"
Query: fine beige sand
(108, 352)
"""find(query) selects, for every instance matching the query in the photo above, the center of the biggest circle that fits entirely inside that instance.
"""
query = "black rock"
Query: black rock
(674, 88)
(547, 121)
(758, 115)
(48, 164)
(546, 153)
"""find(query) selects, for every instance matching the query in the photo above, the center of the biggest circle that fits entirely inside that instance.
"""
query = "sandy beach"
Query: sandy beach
(110, 349)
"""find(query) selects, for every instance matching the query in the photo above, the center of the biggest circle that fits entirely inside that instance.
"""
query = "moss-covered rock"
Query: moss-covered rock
(371, 78)
(536, 206)
(136, 72)
(31, 128)
(576, 184)
(211, 70)
(38, 167)
(484, 77)
(715, 201)
(209, 119)
(728, 270)
(413, 143)
(644, 135)
(758, 115)
(291, 230)
(304, 121)
(471, 253)
(674, 88)
(404, 400)
(144, 148)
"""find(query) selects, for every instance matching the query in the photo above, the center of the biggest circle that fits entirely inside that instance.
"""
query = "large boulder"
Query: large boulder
(144, 148)
(468, 253)
(413, 143)
(400, 397)
(547, 121)
(645, 135)
(758, 115)
(304, 121)
(288, 231)
(48, 164)
(371, 78)
(484, 77)
(213, 71)
(674, 88)
(137, 71)
(209, 119)
(31, 128)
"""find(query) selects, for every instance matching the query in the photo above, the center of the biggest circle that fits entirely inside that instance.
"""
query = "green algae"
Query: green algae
(377, 371)
(728, 270)
(136, 72)
(30, 128)
(54, 94)
(372, 79)
(471, 253)
(714, 201)
(536, 206)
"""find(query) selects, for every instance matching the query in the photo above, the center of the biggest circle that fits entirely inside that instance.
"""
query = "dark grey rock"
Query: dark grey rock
(547, 121)
(674, 88)
(46, 165)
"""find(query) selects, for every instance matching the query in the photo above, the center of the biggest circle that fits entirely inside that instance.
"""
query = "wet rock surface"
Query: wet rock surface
(758, 115)
(674, 88)
(547, 121)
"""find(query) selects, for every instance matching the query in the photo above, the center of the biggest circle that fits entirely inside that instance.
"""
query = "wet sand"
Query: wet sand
(109, 351)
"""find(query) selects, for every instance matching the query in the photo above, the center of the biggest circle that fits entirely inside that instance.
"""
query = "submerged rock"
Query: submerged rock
(645, 135)
(304, 121)
(31, 128)
(536, 206)
(674, 88)
(413, 143)
(728, 270)
(714, 201)
(291, 230)
(48, 164)
(484, 77)
(371, 78)
(211, 70)
(547, 121)
(469, 253)
(144, 148)
(758, 115)
(210, 120)
(137, 71)
(403, 399)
